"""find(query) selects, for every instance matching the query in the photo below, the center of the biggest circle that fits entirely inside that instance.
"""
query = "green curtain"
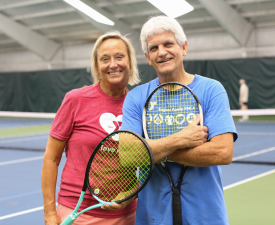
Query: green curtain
(43, 91)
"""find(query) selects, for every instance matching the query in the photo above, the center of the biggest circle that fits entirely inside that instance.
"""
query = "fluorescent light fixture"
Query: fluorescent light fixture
(172, 8)
(90, 12)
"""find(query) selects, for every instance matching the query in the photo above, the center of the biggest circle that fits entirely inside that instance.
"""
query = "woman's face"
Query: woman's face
(113, 63)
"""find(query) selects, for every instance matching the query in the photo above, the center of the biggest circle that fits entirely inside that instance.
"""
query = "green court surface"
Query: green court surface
(253, 202)
(25, 130)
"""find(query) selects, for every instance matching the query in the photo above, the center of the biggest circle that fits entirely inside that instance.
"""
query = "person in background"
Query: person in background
(85, 117)
(201, 148)
(243, 99)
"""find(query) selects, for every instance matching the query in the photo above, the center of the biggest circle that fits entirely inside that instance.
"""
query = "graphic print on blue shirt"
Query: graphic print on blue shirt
(169, 111)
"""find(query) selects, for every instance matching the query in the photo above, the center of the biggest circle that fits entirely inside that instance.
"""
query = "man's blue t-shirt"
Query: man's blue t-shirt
(202, 200)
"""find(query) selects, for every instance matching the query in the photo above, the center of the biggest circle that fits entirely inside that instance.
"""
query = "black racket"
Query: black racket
(169, 109)
(119, 167)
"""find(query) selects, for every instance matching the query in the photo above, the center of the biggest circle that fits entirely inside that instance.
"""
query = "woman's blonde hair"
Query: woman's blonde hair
(134, 75)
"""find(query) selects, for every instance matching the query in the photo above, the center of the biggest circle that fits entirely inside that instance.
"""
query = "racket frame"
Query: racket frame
(176, 202)
(98, 147)
(72, 217)
(144, 124)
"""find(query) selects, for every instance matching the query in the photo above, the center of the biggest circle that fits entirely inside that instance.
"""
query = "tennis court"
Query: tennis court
(248, 184)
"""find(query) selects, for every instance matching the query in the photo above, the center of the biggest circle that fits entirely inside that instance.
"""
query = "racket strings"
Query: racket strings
(171, 108)
(120, 166)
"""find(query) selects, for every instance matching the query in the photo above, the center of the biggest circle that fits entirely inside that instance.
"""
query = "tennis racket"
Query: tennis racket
(170, 108)
(119, 167)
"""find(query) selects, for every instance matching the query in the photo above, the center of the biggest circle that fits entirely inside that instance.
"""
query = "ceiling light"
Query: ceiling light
(90, 12)
(172, 8)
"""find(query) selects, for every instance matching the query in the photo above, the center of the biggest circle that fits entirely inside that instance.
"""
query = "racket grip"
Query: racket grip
(176, 206)
(69, 220)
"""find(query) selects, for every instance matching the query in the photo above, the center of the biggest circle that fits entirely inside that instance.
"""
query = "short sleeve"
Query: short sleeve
(218, 116)
(132, 115)
(63, 123)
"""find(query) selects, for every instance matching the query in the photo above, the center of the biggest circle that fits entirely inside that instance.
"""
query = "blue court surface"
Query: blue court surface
(21, 199)
(21, 196)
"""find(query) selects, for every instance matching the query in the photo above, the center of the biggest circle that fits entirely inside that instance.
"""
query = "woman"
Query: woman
(85, 117)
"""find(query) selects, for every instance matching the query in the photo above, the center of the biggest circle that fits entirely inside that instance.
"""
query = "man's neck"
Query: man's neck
(184, 78)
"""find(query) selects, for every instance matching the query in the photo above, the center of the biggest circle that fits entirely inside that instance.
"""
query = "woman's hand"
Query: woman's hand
(120, 206)
(51, 218)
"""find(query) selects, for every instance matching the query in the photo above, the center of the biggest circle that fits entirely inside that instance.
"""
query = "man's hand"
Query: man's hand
(191, 136)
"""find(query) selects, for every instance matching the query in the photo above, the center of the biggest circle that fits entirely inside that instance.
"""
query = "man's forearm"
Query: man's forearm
(191, 136)
(218, 151)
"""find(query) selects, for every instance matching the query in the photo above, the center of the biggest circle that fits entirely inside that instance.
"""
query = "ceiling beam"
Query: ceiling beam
(240, 2)
(230, 20)
(120, 26)
(184, 21)
(258, 13)
(23, 4)
(31, 40)
(44, 13)
(58, 24)
(137, 14)
(119, 2)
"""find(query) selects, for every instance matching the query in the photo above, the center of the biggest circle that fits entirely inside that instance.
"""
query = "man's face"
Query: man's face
(165, 54)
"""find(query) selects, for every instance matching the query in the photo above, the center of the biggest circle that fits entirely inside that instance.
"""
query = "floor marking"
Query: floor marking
(256, 133)
(21, 195)
(254, 153)
(21, 213)
(11, 140)
(249, 179)
(21, 160)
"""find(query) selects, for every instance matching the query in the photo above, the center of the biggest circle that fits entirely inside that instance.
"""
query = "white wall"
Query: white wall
(219, 45)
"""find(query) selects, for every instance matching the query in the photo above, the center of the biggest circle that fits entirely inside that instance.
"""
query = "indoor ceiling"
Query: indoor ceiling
(42, 26)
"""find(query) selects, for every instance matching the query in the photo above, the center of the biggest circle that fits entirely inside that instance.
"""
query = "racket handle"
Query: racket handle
(176, 206)
(69, 220)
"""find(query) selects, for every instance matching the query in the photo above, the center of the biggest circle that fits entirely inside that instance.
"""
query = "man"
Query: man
(243, 98)
(164, 44)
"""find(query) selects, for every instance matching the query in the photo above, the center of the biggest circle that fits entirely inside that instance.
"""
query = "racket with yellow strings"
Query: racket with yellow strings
(119, 167)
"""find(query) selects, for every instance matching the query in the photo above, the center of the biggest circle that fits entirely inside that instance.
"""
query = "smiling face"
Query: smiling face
(165, 54)
(113, 64)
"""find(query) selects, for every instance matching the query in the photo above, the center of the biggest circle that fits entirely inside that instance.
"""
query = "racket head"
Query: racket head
(169, 108)
(119, 167)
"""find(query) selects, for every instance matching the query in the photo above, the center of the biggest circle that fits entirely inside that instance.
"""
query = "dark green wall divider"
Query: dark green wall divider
(40, 91)
(43, 91)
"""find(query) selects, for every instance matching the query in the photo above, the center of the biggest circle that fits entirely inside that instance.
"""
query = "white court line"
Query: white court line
(11, 140)
(254, 153)
(21, 160)
(21, 213)
(249, 179)
(28, 114)
(225, 188)
(256, 133)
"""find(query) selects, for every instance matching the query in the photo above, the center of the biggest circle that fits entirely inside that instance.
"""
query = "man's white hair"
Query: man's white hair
(158, 25)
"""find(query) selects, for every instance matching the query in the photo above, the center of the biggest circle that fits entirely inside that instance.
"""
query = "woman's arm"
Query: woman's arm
(51, 162)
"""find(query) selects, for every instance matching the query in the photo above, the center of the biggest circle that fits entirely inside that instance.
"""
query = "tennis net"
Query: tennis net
(256, 131)
(24, 130)
(255, 128)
